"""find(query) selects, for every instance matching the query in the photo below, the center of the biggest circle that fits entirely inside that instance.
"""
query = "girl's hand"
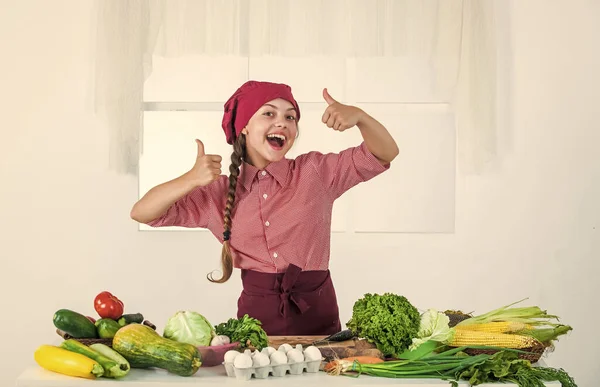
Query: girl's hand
(339, 116)
(206, 169)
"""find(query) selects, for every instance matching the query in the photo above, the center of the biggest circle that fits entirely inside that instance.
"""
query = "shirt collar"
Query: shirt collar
(279, 170)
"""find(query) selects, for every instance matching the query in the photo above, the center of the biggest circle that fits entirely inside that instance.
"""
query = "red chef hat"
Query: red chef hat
(242, 105)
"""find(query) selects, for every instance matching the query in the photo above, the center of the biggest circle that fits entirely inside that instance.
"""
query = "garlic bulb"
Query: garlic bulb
(220, 340)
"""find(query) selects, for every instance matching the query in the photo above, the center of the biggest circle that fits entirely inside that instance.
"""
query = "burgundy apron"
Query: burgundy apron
(293, 303)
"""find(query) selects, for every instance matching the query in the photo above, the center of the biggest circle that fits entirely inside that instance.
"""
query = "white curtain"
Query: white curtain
(451, 35)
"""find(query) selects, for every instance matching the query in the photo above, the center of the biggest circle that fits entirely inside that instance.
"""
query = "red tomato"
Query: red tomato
(108, 306)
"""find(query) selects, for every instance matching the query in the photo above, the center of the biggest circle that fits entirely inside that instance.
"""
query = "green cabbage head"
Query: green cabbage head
(189, 327)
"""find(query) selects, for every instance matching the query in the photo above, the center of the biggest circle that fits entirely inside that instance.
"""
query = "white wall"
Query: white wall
(530, 228)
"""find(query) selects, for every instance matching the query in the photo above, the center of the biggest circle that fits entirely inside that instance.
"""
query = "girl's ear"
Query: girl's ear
(245, 131)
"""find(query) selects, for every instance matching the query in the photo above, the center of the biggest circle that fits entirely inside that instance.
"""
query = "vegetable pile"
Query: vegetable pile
(96, 359)
(498, 346)
(114, 343)
(109, 308)
(492, 347)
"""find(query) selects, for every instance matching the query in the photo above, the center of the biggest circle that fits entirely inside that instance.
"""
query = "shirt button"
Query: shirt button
(267, 223)
(265, 196)
(274, 255)
(263, 173)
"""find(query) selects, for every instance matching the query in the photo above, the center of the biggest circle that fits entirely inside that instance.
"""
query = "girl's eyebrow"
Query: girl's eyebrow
(275, 107)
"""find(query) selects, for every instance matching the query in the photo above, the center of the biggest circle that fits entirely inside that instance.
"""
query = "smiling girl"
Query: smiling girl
(273, 214)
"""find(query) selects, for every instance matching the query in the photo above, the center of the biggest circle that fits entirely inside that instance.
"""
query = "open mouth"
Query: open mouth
(276, 140)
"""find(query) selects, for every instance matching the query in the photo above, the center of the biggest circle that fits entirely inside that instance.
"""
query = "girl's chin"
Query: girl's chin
(275, 156)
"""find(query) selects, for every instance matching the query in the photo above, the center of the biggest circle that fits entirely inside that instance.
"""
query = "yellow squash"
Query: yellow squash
(66, 362)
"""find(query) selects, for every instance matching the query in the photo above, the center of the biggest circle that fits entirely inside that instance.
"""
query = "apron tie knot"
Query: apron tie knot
(287, 295)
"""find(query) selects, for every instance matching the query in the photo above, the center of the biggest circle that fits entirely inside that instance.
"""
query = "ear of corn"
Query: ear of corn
(545, 335)
(464, 337)
(496, 327)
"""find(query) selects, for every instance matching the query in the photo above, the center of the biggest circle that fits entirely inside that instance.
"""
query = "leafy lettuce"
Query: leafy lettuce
(389, 321)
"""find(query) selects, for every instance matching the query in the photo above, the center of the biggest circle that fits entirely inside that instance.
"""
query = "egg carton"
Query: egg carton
(278, 370)
(269, 361)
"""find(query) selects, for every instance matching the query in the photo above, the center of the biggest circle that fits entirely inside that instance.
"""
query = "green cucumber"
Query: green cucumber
(112, 369)
(111, 354)
(126, 319)
(107, 328)
(74, 324)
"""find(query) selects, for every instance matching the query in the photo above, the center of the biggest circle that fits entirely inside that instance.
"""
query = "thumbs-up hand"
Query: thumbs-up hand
(207, 167)
(339, 116)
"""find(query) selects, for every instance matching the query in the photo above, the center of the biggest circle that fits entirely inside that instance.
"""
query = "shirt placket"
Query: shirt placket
(265, 182)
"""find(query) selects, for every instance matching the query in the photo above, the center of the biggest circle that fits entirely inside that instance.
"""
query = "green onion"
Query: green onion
(452, 366)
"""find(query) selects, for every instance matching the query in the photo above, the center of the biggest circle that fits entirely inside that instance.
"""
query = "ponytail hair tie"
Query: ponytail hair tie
(226, 235)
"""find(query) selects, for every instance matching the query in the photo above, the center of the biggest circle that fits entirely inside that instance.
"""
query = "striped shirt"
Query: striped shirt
(282, 214)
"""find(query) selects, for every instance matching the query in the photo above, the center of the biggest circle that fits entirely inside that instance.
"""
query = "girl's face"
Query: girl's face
(271, 132)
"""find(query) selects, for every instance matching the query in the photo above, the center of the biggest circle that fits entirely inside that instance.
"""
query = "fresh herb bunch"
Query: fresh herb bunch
(506, 367)
(389, 321)
(247, 330)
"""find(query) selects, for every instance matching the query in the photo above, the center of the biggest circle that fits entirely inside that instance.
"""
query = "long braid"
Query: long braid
(238, 155)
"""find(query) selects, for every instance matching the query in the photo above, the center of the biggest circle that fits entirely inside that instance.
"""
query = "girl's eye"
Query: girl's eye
(292, 118)
(268, 113)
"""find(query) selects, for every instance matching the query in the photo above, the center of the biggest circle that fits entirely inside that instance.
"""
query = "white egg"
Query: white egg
(260, 360)
(295, 356)
(268, 351)
(312, 353)
(278, 357)
(242, 361)
(285, 348)
(230, 356)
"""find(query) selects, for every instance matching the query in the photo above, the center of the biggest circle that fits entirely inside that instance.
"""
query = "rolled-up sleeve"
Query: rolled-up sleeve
(342, 171)
(197, 209)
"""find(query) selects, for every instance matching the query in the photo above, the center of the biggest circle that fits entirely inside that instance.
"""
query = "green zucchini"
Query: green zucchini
(107, 328)
(74, 324)
(127, 319)
(112, 369)
(143, 348)
(111, 354)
